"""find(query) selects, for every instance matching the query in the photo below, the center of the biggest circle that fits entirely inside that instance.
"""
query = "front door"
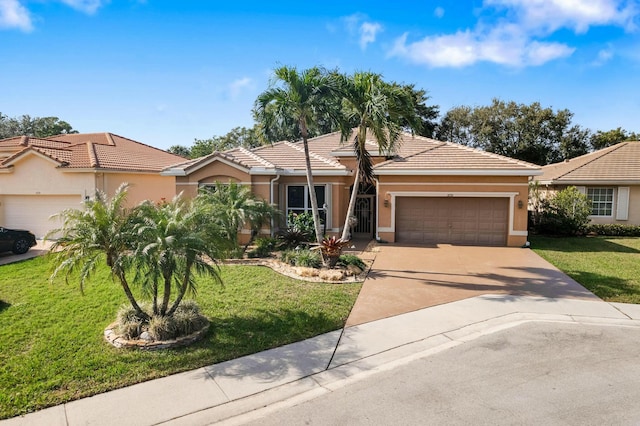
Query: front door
(364, 215)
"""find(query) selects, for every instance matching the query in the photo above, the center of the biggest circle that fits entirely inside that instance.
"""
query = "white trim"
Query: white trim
(520, 233)
(386, 184)
(175, 171)
(622, 206)
(442, 194)
(456, 172)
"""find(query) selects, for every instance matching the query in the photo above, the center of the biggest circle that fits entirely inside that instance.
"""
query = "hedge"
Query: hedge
(614, 230)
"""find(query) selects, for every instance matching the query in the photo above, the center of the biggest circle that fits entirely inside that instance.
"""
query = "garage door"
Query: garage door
(32, 212)
(451, 220)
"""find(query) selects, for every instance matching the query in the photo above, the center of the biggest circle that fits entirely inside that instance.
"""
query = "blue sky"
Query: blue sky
(167, 72)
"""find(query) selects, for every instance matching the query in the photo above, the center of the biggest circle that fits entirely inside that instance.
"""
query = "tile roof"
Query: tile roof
(103, 151)
(617, 163)
(415, 155)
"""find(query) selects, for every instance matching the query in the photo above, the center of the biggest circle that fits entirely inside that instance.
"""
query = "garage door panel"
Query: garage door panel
(33, 212)
(452, 220)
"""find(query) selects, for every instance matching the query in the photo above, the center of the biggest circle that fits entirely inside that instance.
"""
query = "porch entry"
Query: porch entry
(364, 213)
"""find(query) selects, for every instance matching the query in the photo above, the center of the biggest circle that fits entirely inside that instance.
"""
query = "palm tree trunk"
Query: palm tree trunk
(166, 295)
(183, 288)
(312, 190)
(132, 300)
(346, 234)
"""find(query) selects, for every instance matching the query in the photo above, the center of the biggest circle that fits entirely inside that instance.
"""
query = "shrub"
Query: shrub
(565, 213)
(351, 259)
(128, 323)
(264, 247)
(291, 238)
(614, 230)
(302, 222)
(306, 258)
(161, 328)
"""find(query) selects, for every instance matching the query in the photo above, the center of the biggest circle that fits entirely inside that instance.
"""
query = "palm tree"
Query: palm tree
(233, 206)
(104, 227)
(165, 244)
(302, 100)
(176, 239)
(384, 109)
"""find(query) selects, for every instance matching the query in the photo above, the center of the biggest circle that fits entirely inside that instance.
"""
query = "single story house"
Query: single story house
(41, 177)
(610, 177)
(429, 192)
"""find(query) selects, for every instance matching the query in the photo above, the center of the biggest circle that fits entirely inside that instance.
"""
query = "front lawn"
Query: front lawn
(51, 336)
(607, 266)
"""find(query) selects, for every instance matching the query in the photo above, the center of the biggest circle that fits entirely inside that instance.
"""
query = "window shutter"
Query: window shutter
(582, 189)
(622, 209)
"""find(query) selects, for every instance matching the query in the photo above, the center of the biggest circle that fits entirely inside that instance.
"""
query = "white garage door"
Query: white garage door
(451, 220)
(33, 212)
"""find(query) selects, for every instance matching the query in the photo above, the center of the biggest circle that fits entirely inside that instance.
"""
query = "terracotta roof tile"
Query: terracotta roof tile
(417, 153)
(95, 151)
(619, 162)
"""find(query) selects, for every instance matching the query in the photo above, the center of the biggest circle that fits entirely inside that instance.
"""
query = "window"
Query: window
(601, 201)
(298, 199)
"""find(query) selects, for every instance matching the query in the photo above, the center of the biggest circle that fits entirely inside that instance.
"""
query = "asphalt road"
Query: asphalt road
(532, 374)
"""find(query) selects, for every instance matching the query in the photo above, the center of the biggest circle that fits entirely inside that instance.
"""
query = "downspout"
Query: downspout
(272, 184)
(377, 207)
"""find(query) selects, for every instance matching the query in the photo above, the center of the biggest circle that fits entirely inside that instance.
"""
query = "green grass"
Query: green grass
(607, 266)
(51, 336)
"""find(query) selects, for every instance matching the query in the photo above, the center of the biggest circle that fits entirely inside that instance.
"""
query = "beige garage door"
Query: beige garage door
(452, 220)
(32, 212)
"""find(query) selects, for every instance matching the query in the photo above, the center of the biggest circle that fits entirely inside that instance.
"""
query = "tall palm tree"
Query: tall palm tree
(104, 227)
(384, 109)
(301, 99)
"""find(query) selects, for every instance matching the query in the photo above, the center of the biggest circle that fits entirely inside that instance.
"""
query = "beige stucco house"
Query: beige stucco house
(610, 177)
(429, 192)
(41, 177)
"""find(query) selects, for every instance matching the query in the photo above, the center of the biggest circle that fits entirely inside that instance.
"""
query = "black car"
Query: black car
(16, 240)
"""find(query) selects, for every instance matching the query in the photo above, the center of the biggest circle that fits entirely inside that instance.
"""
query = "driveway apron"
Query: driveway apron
(407, 278)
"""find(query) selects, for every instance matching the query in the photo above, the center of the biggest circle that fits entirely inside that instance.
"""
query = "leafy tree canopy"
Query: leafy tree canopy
(602, 139)
(526, 132)
(40, 127)
(238, 136)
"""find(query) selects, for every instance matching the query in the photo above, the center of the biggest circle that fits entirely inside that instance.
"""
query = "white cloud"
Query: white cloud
(14, 15)
(578, 15)
(438, 12)
(366, 30)
(87, 6)
(513, 32)
(236, 87)
(604, 56)
(466, 48)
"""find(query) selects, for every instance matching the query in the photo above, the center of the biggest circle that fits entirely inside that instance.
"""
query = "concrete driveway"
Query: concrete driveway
(407, 278)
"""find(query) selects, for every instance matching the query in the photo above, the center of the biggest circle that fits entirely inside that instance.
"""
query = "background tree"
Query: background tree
(602, 139)
(300, 99)
(40, 127)
(526, 132)
(385, 110)
(236, 137)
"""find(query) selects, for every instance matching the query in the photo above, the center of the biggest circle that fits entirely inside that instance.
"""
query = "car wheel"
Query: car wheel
(21, 246)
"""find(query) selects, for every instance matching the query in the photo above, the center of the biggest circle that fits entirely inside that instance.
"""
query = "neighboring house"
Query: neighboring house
(41, 177)
(430, 192)
(610, 178)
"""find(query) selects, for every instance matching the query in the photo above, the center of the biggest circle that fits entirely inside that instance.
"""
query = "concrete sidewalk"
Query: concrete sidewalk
(231, 392)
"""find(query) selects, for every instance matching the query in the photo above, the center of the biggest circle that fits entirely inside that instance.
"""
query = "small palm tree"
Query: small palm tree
(103, 228)
(233, 206)
(302, 100)
(162, 246)
(176, 239)
(382, 108)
